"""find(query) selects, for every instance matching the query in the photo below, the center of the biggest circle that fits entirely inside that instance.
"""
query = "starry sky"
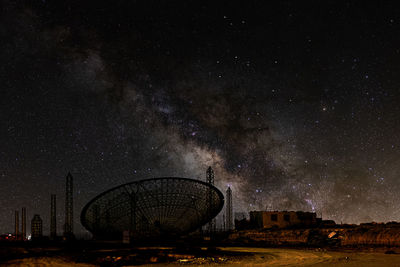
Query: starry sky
(295, 104)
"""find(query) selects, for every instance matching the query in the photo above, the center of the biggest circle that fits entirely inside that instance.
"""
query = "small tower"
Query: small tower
(228, 209)
(23, 219)
(16, 224)
(210, 176)
(69, 209)
(210, 202)
(53, 220)
(36, 227)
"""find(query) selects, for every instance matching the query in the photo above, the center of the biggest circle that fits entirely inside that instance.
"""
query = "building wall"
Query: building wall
(281, 219)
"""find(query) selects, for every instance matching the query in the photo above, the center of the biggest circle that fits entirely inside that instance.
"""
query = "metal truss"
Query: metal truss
(153, 207)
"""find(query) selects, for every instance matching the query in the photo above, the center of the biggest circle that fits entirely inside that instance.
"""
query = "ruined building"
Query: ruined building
(282, 219)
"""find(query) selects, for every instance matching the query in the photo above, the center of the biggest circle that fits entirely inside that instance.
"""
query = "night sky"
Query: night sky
(295, 104)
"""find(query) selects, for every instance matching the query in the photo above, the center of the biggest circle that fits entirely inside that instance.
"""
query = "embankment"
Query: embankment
(342, 235)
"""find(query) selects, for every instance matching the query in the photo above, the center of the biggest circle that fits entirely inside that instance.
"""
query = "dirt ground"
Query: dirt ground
(43, 262)
(255, 257)
(294, 257)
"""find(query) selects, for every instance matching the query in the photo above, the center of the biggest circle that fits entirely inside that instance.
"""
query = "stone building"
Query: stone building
(282, 219)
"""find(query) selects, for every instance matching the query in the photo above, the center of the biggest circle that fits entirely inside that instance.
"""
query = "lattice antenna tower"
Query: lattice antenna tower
(210, 176)
(69, 215)
(210, 179)
(23, 218)
(229, 208)
(53, 220)
(16, 224)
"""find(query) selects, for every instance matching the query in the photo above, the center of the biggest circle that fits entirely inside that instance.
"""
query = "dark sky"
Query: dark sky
(295, 104)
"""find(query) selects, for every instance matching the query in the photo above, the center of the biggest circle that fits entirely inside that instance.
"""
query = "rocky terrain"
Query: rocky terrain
(372, 234)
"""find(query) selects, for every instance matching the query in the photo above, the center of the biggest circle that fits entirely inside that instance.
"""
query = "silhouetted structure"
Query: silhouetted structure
(229, 207)
(69, 215)
(223, 222)
(159, 207)
(241, 221)
(36, 227)
(241, 216)
(210, 180)
(282, 219)
(210, 176)
(16, 224)
(23, 219)
(53, 219)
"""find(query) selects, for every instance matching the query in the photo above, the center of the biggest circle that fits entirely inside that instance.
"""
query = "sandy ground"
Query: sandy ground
(260, 257)
(293, 257)
(44, 261)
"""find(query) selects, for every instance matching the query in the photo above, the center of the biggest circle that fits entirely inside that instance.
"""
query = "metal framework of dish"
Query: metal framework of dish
(169, 206)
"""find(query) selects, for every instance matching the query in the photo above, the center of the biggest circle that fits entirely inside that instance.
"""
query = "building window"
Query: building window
(274, 217)
(286, 217)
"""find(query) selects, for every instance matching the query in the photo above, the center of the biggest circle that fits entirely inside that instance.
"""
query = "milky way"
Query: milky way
(294, 106)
